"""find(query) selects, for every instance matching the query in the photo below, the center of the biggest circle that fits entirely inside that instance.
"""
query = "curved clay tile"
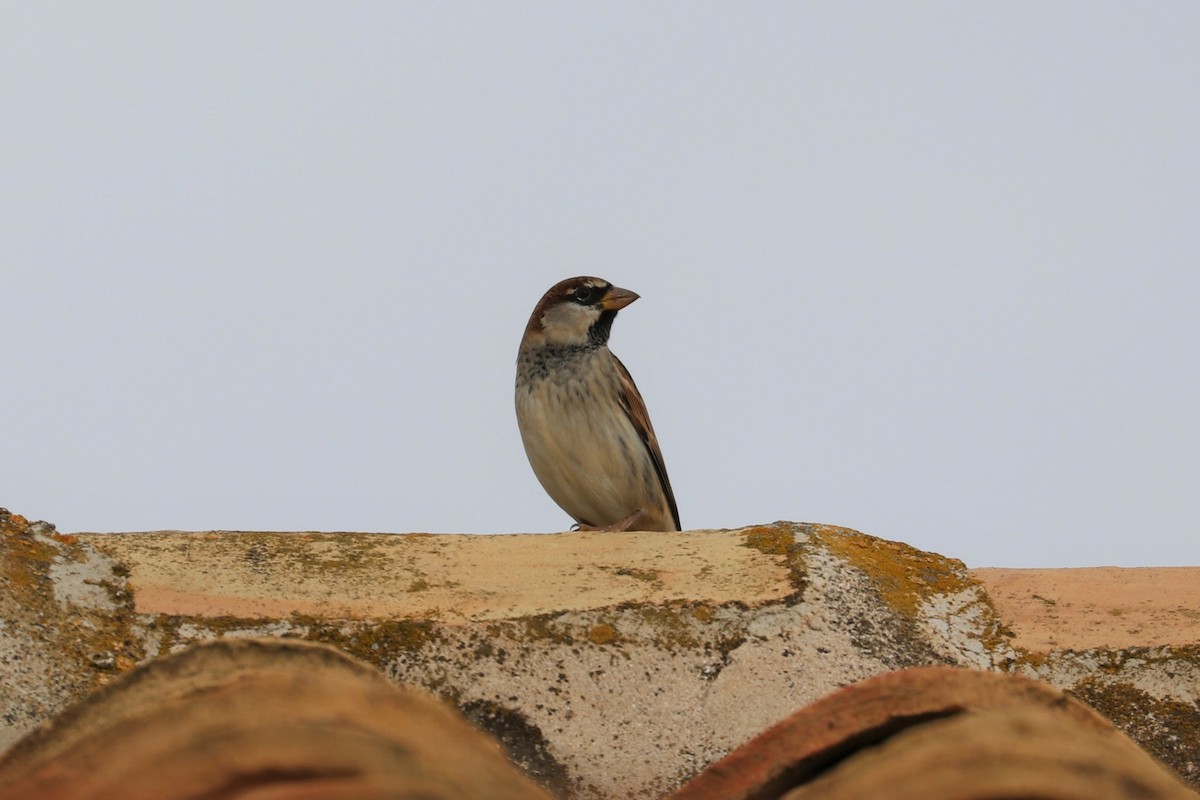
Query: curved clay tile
(1026, 752)
(939, 732)
(258, 720)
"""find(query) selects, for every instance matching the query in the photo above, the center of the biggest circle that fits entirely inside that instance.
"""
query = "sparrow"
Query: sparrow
(583, 423)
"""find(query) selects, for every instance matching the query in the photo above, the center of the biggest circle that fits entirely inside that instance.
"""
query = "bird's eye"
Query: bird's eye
(586, 295)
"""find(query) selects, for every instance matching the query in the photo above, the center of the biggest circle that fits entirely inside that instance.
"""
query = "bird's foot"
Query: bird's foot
(625, 523)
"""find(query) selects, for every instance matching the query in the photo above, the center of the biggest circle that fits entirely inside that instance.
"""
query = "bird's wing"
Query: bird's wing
(635, 408)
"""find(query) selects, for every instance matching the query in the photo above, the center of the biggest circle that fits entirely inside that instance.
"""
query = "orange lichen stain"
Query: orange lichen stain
(101, 637)
(775, 540)
(903, 574)
(601, 634)
(12, 523)
(31, 560)
(906, 577)
(780, 539)
(647, 575)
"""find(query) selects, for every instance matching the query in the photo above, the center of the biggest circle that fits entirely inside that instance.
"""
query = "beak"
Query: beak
(617, 298)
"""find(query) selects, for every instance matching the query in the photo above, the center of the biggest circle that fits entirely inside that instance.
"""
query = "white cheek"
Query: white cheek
(568, 323)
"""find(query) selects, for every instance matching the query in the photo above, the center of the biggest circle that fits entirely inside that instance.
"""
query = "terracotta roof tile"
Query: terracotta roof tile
(259, 719)
(938, 732)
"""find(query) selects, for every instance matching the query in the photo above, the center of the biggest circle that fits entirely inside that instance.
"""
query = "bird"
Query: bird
(583, 422)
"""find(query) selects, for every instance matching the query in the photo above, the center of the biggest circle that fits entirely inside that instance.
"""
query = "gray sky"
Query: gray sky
(927, 270)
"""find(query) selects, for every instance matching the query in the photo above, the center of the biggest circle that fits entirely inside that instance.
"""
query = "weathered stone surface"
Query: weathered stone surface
(65, 622)
(611, 665)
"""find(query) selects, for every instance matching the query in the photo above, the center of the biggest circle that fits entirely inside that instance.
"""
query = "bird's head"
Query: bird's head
(576, 312)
